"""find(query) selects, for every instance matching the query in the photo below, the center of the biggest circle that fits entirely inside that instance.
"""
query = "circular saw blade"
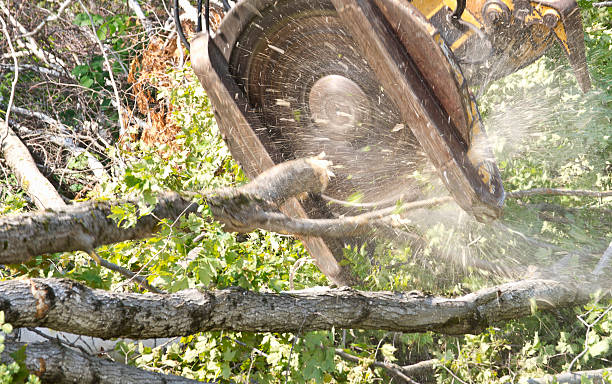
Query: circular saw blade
(314, 92)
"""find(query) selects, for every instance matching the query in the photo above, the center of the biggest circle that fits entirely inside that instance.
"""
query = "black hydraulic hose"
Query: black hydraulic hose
(206, 15)
(199, 13)
(179, 27)
(459, 10)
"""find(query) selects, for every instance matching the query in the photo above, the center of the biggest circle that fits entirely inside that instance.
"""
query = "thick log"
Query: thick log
(58, 364)
(65, 305)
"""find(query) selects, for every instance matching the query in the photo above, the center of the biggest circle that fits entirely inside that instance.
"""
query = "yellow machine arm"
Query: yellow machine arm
(493, 38)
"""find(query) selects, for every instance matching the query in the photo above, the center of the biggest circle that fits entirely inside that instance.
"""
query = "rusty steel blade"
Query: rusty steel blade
(472, 179)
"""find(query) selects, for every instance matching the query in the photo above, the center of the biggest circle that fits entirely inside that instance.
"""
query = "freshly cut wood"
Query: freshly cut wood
(66, 305)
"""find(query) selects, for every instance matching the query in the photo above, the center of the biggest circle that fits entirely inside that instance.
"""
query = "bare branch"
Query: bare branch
(65, 305)
(56, 363)
(393, 369)
(122, 126)
(595, 376)
(557, 192)
(30, 67)
(50, 18)
(146, 24)
(422, 368)
(142, 281)
(3, 135)
(85, 226)
(603, 4)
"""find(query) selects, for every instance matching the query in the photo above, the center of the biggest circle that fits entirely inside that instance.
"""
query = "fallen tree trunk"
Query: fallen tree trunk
(66, 305)
(56, 363)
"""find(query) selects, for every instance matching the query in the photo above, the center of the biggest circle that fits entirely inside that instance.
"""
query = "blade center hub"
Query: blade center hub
(338, 104)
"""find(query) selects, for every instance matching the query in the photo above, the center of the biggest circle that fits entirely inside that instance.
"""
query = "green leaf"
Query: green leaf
(7, 328)
(102, 32)
(86, 81)
(388, 351)
(82, 19)
(19, 355)
(356, 197)
(600, 347)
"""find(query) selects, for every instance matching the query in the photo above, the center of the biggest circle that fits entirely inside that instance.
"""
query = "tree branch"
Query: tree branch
(557, 192)
(56, 363)
(393, 369)
(52, 17)
(85, 226)
(596, 376)
(146, 24)
(66, 305)
(19, 159)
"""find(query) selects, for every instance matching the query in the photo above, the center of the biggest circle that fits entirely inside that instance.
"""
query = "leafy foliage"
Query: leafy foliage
(546, 134)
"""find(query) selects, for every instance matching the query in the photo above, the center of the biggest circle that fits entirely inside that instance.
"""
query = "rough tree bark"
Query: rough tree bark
(65, 305)
(85, 226)
(56, 363)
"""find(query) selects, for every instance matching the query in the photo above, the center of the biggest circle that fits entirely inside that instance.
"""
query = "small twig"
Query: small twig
(57, 339)
(258, 351)
(394, 369)
(294, 268)
(586, 338)
(142, 281)
(295, 339)
(13, 84)
(453, 374)
(30, 67)
(146, 24)
(108, 64)
(605, 260)
(595, 376)
(603, 4)
(558, 192)
(54, 17)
